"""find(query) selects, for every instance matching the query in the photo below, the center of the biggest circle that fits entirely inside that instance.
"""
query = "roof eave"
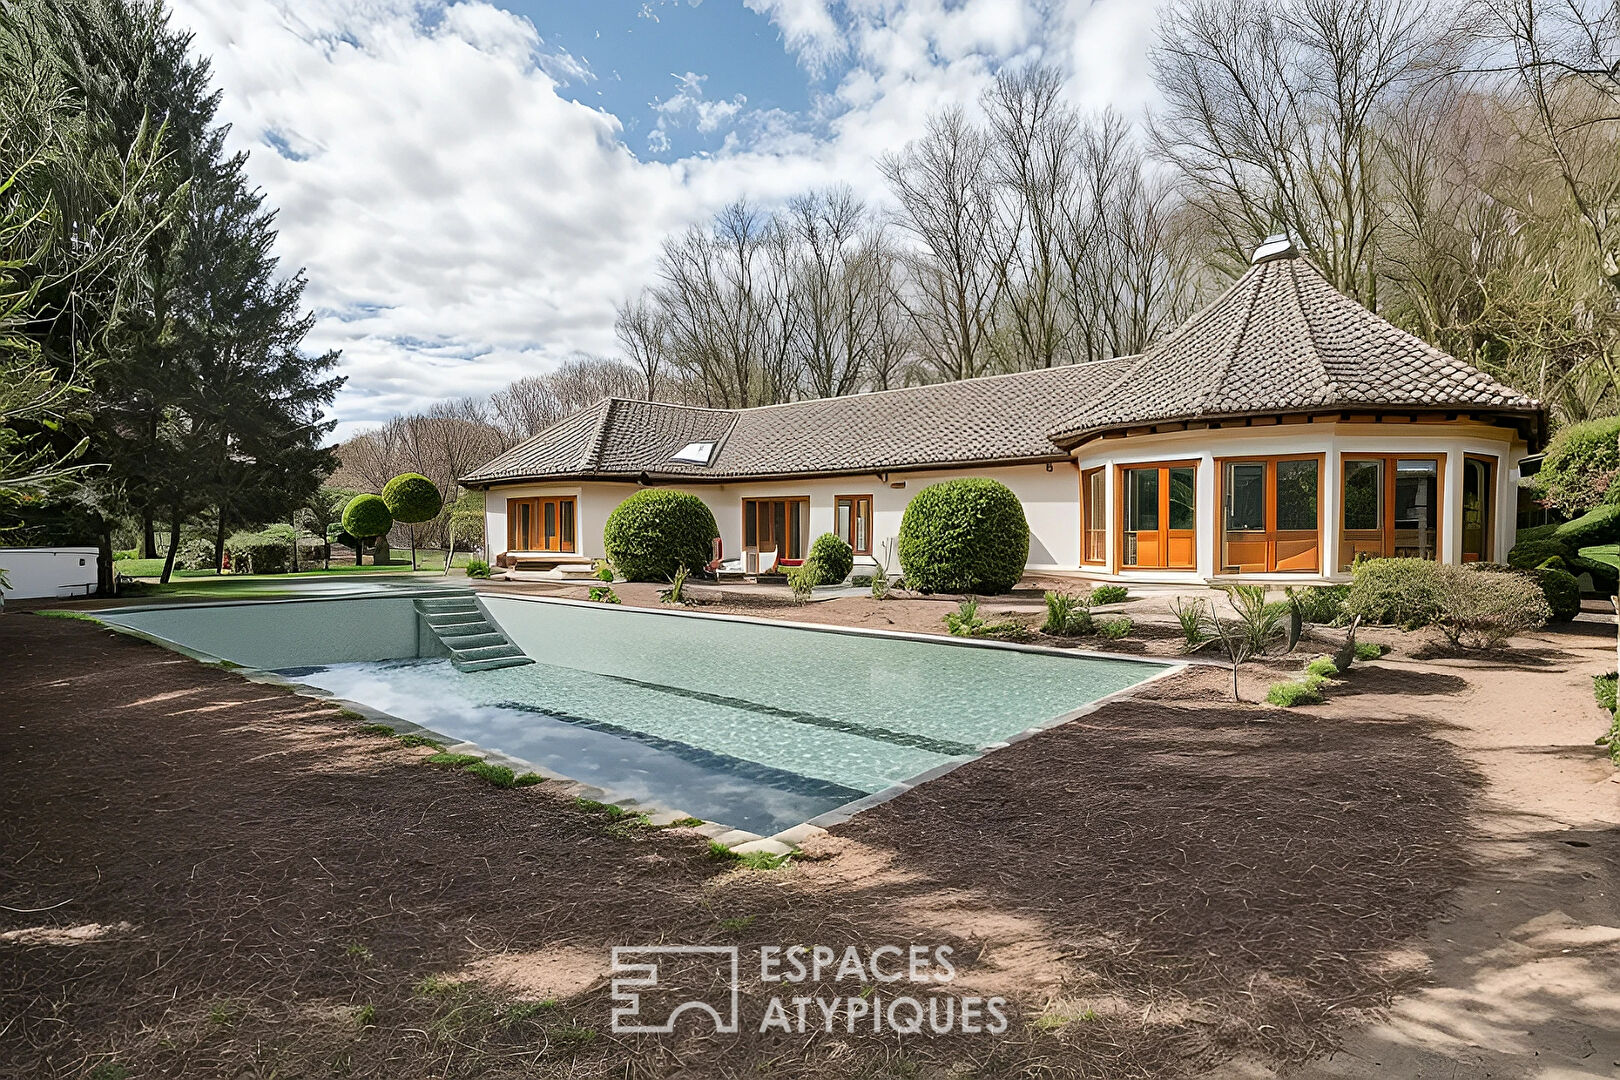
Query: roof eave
(1072, 437)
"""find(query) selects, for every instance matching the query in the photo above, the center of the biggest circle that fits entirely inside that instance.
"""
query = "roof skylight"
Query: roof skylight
(694, 453)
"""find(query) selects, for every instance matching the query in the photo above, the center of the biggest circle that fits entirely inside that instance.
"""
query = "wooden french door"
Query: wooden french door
(782, 523)
(1159, 510)
(1270, 514)
(544, 524)
(1390, 507)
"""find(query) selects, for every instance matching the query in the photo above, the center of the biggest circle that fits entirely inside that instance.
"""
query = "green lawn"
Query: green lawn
(425, 560)
(1603, 553)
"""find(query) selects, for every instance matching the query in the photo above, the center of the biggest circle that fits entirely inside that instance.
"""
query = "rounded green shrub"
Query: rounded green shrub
(834, 556)
(1398, 592)
(1600, 526)
(412, 498)
(367, 516)
(965, 535)
(657, 531)
(1562, 591)
(1531, 553)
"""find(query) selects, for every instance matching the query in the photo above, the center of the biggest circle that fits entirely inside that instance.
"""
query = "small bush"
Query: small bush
(1193, 617)
(657, 531)
(802, 580)
(603, 594)
(1599, 526)
(1290, 694)
(1109, 594)
(195, 555)
(1483, 608)
(414, 739)
(1067, 615)
(1322, 667)
(1561, 590)
(603, 570)
(964, 535)
(835, 557)
(1395, 592)
(259, 553)
(1604, 688)
(1368, 650)
(965, 621)
(477, 568)
(377, 729)
(880, 586)
(1115, 629)
(528, 779)
(1322, 605)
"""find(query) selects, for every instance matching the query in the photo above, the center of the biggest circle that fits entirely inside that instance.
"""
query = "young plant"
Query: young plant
(1260, 623)
(1194, 619)
(1109, 594)
(602, 570)
(1115, 629)
(802, 580)
(1067, 615)
(603, 594)
(1290, 694)
(964, 621)
(676, 593)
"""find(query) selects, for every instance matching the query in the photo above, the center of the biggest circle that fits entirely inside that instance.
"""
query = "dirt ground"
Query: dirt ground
(202, 876)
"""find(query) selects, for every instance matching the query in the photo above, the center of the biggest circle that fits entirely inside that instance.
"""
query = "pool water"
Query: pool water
(759, 726)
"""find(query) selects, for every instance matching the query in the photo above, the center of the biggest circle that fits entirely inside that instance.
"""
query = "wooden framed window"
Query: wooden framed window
(1094, 516)
(1479, 509)
(1159, 516)
(852, 515)
(1271, 514)
(780, 523)
(1391, 507)
(541, 524)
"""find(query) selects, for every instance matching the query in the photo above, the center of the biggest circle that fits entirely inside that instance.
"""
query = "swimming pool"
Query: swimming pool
(757, 725)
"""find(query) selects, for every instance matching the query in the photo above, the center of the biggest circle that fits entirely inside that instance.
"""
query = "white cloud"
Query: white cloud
(464, 224)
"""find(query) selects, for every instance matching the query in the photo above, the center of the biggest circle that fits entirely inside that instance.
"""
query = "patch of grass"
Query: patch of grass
(737, 923)
(594, 807)
(222, 1014)
(357, 950)
(1115, 629)
(1290, 694)
(754, 860)
(1193, 616)
(1370, 650)
(434, 986)
(1109, 594)
(350, 714)
(82, 616)
(413, 739)
(499, 775)
(108, 1070)
(377, 729)
(528, 779)
(365, 1016)
(684, 823)
(571, 1038)
(516, 1012)
(1054, 1021)
(452, 761)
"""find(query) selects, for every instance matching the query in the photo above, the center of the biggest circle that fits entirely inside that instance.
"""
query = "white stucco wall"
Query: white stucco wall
(1051, 496)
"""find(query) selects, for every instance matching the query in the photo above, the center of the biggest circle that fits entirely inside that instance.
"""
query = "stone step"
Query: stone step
(447, 605)
(463, 629)
(491, 664)
(488, 652)
(461, 643)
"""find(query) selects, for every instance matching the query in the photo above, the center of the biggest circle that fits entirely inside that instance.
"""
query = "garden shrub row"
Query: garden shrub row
(1472, 606)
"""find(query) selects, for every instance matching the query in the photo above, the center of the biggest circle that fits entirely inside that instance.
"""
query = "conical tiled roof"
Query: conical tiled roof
(1282, 340)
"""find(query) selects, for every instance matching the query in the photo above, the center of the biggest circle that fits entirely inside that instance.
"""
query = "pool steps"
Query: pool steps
(474, 641)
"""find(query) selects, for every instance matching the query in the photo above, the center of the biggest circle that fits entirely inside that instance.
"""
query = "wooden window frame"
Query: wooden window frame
(1270, 461)
(1085, 517)
(780, 553)
(537, 504)
(1387, 524)
(855, 501)
(1164, 529)
(1494, 464)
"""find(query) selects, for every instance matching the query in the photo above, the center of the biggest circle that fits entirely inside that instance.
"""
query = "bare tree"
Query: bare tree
(642, 328)
(836, 273)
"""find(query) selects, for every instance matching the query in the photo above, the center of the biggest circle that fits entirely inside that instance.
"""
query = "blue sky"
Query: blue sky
(471, 186)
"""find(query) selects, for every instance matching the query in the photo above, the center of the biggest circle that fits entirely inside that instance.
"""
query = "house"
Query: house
(1274, 436)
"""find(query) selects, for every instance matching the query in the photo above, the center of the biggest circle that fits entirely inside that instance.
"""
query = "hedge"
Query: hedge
(1528, 554)
(1562, 591)
(1582, 463)
(412, 498)
(964, 535)
(265, 552)
(1399, 592)
(1600, 526)
(657, 531)
(834, 556)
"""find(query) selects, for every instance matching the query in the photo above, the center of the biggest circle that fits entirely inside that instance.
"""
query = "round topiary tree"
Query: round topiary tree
(657, 531)
(834, 556)
(413, 499)
(365, 517)
(965, 535)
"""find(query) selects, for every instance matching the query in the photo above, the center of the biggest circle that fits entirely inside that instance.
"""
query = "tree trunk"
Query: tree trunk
(295, 545)
(413, 549)
(174, 544)
(148, 535)
(219, 542)
(104, 563)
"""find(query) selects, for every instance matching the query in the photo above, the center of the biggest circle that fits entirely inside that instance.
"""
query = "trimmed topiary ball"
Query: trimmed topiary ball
(412, 498)
(366, 516)
(965, 535)
(1562, 591)
(657, 531)
(834, 556)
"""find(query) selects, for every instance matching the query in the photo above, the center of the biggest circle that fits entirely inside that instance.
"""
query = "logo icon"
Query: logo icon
(673, 979)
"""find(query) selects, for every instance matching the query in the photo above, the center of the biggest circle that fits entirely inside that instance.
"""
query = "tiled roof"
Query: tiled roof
(998, 418)
(1280, 340)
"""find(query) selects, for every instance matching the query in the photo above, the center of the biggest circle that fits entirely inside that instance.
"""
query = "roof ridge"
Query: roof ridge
(1237, 339)
(1328, 380)
(592, 457)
